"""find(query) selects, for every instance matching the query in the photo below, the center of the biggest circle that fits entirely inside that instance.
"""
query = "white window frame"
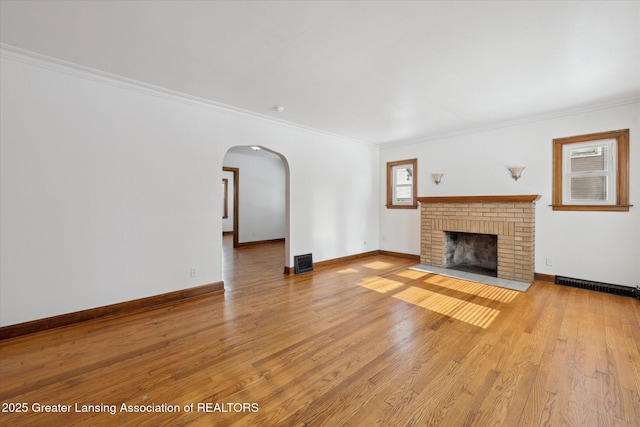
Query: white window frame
(609, 171)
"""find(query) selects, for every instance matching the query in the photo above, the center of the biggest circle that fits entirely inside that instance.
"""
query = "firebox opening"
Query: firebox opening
(471, 252)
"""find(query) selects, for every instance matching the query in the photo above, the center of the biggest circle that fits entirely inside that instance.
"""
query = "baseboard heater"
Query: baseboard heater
(598, 286)
(303, 263)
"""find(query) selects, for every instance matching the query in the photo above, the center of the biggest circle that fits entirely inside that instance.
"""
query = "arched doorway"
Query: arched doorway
(256, 227)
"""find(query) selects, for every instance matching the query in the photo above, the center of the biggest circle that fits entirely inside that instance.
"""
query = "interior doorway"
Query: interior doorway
(257, 206)
(230, 182)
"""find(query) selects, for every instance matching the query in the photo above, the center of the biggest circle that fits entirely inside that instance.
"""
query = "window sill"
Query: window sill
(401, 206)
(601, 208)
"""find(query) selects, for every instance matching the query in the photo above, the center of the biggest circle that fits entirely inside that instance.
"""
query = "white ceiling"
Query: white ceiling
(374, 71)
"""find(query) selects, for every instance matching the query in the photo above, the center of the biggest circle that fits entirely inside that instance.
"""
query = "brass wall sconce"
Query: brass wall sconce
(516, 172)
(437, 177)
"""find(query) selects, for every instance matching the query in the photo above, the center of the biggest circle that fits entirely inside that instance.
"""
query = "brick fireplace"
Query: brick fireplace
(510, 218)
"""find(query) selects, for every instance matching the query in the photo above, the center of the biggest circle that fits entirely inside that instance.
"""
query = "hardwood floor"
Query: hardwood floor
(251, 265)
(364, 343)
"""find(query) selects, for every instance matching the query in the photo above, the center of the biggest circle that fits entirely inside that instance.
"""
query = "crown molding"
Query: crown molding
(59, 65)
(77, 70)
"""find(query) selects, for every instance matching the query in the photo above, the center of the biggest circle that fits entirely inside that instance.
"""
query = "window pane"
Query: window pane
(589, 158)
(403, 175)
(404, 194)
(589, 188)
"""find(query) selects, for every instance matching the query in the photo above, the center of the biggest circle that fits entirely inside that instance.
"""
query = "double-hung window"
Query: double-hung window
(591, 172)
(401, 184)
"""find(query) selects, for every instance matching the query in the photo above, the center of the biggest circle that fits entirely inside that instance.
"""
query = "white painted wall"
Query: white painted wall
(600, 246)
(111, 191)
(262, 200)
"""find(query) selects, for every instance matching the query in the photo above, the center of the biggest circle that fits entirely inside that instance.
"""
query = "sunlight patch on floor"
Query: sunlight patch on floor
(348, 271)
(412, 274)
(494, 293)
(474, 314)
(378, 265)
(380, 284)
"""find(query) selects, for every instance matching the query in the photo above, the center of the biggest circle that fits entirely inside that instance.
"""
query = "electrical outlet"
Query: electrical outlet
(549, 261)
(193, 272)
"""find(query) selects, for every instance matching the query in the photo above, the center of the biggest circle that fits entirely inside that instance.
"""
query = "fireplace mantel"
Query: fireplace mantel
(521, 198)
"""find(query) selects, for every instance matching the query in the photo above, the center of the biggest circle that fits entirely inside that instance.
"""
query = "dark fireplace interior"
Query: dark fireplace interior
(471, 252)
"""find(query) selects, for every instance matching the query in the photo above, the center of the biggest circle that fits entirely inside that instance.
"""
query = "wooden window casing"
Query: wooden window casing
(392, 202)
(621, 165)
